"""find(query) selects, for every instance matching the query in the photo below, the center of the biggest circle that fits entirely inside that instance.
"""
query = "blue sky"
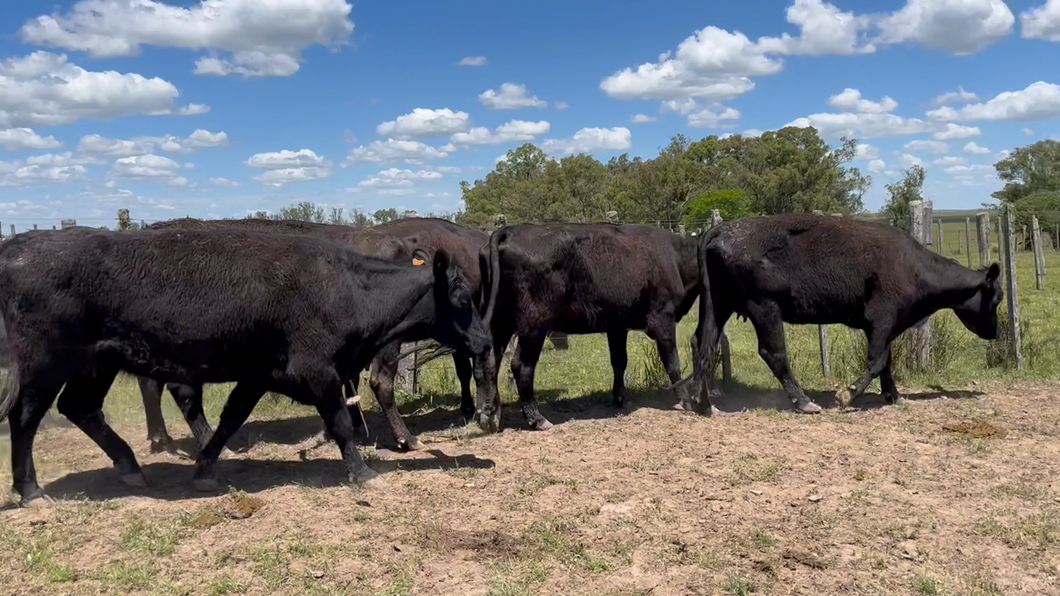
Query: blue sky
(230, 106)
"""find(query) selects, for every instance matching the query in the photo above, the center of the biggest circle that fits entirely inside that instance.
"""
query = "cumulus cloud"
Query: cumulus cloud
(392, 150)
(560, 105)
(958, 96)
(1028, 132)
(510, 97)
(397, 178)
(707, 118)
(224, 182)
(909, 161)
(60, 160)
(472, 61)
(972, 149)
(425, 123)
(146, 167)
(717, 65)
(98, 145)
(956, 131)
(850, 100)
(1042, 22)
(641, 119)
(510, 132)
(45, 89)
(16, 174)
(285, 167)
(862, 126)
(22, 139)
(1039, 101)
(591, 140)
(865, 152)
(936, 147)
(970, 169)
(258, 38)
(949, 160)
(877, 166)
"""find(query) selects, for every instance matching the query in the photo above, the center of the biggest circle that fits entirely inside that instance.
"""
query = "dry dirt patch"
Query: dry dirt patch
(943, 496)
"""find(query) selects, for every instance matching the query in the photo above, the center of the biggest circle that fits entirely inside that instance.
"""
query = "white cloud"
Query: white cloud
(146, 167)
(1028, 132)
(60, 160)
(287, 159)
(958, 96)
(473, 61)
(866, 152)
(560, 105)
(425, 123)
(178, 182)
(22, 139)
(706, 118)
(263, 38)
(394, 177)
(1039, 101)
(971, 169)
(752, 133)
(1042, 22)
(909, 161)
(949, 160)
(591, 140)
(513, 131)
(44, 89)
(877, 166)
(956, 131)
(641, 119)
(279, 177)
(511, 97)
(189, 166)
(850, 100)
(972, 149)
(862, 126)
(394, 150)
(224, 182)
(196, 140)
(16, 174)
(98, 145)
(955, 26)
(936, 147)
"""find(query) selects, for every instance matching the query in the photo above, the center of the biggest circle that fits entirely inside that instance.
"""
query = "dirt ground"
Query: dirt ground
(957, 492)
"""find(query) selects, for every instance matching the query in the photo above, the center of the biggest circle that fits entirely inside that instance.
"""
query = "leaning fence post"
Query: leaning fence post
(726, 354)
(982, 231)
(1039, 256)
(920, 229)
(1009, 236)
(968, 239)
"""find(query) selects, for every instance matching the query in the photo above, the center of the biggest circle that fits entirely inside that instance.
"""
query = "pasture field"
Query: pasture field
(955, 492)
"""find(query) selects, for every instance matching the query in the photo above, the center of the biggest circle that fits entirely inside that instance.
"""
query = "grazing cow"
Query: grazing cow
(577, 279)
(820, 270)
(392, 241)
(290, 314)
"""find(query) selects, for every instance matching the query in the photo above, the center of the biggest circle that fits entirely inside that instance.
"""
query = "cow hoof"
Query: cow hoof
(411, 444)
(468, 413)
(807, 407)
(205, 484)
(714, 411)
(370, 481)
(135, 480)
(541, 424)
(489, 424)
(36, 501)
(226, 453)
(843, 397)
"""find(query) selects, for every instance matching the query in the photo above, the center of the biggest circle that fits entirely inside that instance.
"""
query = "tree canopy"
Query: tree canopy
(910, 188)
(791, 170)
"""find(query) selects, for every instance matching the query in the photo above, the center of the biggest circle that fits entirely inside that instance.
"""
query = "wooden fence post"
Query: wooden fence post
(34, 226)
(68, 223)
(968, 239)
(680, 229)
(940, 244)
(1009, 235)
(726, 354)
(982, 231)
(12, 230)
(1039, 256)
(920, 229)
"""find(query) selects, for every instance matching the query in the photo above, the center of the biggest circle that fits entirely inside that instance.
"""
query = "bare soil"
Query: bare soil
(957, 492)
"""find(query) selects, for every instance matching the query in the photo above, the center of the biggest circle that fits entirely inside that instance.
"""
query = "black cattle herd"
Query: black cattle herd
(301, 309)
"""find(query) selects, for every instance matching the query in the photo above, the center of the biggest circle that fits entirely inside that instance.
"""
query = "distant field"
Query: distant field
(879, 500)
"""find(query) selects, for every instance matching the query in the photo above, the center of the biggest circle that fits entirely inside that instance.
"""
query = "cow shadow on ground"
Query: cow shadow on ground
(171, 481)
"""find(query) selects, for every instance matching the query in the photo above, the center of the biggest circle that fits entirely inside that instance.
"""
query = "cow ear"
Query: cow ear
(420, 256)
(993, 273)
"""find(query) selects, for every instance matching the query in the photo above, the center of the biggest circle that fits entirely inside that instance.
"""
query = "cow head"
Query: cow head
(979, 313)
(456, 319)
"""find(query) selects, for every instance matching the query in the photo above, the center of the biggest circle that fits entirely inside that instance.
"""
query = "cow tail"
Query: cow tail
(9, 385)
(494, 272)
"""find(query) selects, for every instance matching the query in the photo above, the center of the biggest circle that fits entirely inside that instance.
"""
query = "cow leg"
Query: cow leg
(352, 386)
(336, 415)
(82, 403)
(890, 390)
(487, 373)
(616, 345)
(878, 357)
(769, 326)
(663, 330)
(462, 362)
(151, 391)
(704, 348)
(34, 398)
(524, 363)
(189, 400)
(237, 409)
(384, 371)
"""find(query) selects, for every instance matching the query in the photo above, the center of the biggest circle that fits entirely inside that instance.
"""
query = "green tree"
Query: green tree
(731, 204)
(1029, 169)
(385, 215)
(304, 211)
(910, 188)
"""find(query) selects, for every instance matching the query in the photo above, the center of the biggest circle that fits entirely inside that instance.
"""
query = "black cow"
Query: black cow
(578, 279)
(392, 241)
(820, 270)
(290, 314)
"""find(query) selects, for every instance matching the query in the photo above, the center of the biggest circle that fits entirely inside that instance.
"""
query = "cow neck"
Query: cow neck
(399, 304)
(948, 283)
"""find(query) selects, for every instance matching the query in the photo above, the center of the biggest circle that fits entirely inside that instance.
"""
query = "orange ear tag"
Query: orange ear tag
(417, 261)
